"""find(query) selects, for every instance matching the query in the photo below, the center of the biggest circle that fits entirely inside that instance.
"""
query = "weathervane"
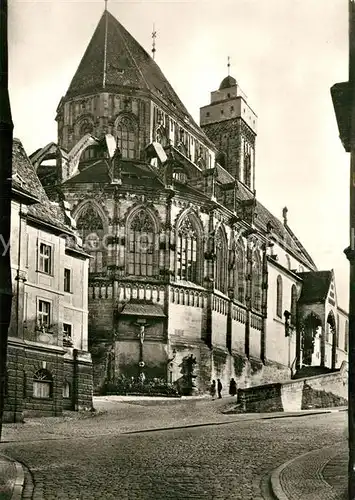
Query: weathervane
(229, 65)
(106, 4)
(154, 35)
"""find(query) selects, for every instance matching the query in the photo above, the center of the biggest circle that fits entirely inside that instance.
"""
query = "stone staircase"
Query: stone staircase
(311, 371)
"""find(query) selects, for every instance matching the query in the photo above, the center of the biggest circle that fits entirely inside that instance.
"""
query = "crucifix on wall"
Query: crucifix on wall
(141, 333)
(141, 324)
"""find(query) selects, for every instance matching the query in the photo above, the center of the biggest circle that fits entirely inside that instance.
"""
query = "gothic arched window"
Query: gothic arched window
(161, 136)
(247, 166)
(86, 128)
(187, 251)
(221, 261)
(256, 282)
(288, 260)
(91, 230)
(279, 296)
(126, 138)
(239, 279)
(141, 244)
(293, 304)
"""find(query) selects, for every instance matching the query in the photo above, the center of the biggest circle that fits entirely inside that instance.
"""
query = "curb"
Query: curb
(275, 482)
(209, 424)
(274, 479)
(19, 480)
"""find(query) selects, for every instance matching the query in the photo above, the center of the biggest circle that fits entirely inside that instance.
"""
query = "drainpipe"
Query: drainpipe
(264, 298)
(75, 381)
(18, 275)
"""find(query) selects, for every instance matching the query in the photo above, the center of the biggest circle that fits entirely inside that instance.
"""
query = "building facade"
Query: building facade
(49, 367)
(188, 270)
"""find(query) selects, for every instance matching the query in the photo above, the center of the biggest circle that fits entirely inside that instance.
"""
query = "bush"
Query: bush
(126, 386)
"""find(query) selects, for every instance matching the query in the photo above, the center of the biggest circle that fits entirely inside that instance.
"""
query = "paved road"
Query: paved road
(214, 462)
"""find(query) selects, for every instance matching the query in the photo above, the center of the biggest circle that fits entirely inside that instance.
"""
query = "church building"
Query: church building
(187, 266)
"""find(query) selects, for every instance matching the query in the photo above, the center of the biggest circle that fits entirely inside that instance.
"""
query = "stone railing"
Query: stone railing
(239, 313)
(256, 321)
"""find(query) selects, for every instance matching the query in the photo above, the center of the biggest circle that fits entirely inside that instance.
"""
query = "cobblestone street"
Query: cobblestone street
(90, 458)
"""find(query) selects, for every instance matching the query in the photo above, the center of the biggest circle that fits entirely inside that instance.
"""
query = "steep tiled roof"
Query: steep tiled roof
(97, 171)
(223, 176)
(26, 181)
(315, 286)
(127, 65)
(282, 233)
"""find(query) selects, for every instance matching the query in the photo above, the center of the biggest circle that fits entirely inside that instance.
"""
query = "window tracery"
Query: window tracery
(247, 165)
(256, 282)
(161, 136)
(221, 261)
(141, 244)
(239, 276)
(91, 230)
(86, 128)
(279, 297)
(125, 134)
(187, 251)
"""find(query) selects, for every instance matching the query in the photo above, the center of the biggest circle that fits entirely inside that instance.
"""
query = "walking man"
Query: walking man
(219, 388)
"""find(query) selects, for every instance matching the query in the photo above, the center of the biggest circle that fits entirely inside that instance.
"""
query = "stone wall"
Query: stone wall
(79, 375)
(127, 358)
(24, 360)
(84, 385)
(319, 391)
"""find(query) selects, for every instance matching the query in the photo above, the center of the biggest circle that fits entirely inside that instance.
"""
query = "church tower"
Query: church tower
(230, 124)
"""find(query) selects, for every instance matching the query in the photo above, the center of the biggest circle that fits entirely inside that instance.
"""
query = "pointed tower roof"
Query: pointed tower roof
(114, 59)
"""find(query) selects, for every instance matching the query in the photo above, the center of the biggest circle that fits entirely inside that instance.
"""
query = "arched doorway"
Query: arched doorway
(330, 341)
(310, 340)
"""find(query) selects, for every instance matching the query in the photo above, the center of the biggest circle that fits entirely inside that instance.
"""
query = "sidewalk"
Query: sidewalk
(317, 475)
(11, 479)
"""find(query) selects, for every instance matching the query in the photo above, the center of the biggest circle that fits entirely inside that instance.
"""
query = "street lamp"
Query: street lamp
(343, 96)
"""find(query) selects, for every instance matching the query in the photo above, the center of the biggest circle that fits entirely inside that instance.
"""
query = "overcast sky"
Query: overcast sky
(285, 54)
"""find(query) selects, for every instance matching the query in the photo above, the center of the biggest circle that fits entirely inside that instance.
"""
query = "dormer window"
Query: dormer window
(180, 176)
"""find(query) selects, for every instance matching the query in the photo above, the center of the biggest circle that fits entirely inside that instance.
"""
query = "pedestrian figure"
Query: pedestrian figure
(219, 388)
(233, 387)
(213, 389)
